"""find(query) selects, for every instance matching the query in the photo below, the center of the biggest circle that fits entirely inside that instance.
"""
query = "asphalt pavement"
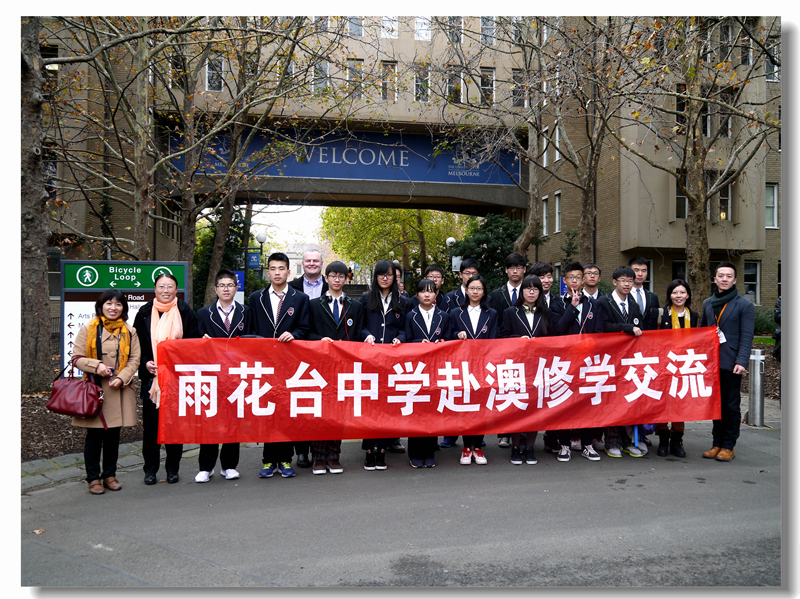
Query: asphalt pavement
(625, 522)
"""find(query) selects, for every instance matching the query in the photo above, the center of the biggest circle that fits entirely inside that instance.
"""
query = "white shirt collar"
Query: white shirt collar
(619, 300)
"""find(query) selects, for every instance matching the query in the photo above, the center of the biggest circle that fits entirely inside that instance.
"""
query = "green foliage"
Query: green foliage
(489, 243)
(570, 247)
(605, 287)
(765, 323)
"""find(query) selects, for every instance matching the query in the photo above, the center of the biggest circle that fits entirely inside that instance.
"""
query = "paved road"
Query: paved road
(619, 522)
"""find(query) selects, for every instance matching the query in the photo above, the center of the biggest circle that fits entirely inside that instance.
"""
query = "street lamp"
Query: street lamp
(261, 238)
(451, 241)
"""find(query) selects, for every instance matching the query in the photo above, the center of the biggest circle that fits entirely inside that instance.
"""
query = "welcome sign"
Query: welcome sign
(362, 155)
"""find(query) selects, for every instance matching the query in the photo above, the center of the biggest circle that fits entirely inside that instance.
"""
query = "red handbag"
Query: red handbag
(79, 397)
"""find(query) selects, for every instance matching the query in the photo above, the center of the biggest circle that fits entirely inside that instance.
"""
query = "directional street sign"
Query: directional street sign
(82, 282)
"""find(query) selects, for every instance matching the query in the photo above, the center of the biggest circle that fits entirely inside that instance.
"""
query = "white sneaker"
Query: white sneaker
(229, 474)
(643, 448)
(590, 454)
(598, 445)
(203, 476)
(503, 442)
(563, 455)
(632, 451)
(466, 457)
(575, 445)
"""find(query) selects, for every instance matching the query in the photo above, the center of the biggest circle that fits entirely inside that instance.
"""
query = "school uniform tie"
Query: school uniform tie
(640, 299)
(280, 302)
(514, 296)
(228, 319)
(624, 311)
(336, 311)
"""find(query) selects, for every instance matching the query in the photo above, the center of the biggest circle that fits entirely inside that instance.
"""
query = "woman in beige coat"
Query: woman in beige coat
(114, 367)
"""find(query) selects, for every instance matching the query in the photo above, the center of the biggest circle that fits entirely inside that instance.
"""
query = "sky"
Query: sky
(290, 224)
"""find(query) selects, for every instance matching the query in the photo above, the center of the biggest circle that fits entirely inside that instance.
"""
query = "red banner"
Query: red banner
(260, 390)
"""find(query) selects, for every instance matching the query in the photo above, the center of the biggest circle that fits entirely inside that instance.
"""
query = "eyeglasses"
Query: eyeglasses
(227, 286)
(474, 288)
(469, 273)
(591, 273)
(337, 276)
(625, 281)
(574, 278)
(434, 277)
(386, 276)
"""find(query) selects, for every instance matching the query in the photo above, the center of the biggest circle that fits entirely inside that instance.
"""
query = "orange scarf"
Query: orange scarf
(168, 326)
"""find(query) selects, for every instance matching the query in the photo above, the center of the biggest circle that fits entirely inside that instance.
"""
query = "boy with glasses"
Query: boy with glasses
(591, 278)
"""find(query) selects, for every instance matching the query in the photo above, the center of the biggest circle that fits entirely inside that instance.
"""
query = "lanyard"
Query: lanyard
(721, 313)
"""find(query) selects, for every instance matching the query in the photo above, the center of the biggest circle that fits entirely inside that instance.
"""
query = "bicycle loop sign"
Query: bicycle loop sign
(82, 282)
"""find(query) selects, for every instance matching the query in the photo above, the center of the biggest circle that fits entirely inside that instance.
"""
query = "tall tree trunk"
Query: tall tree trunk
(141, 172)
(533, 224)
(35, 355)
(218, 249)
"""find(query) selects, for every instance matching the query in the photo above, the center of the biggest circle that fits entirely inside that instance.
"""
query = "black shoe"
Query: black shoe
(303, 461)
(516, 455)
(663, 443)
(380, 460)
(676, 445)
(369, 462)
(396, 447)
(150, 478)
(172, 477)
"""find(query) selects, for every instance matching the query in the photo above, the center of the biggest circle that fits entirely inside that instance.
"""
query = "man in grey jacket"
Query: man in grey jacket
(735, 318)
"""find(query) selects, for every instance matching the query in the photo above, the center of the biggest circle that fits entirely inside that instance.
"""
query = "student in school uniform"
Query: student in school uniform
(278, 312)
(225, 318)
(425, 324)
(474, 319)
(676, 315)
(434, 273)
(384, 323)
(333, 317)
(505, 297)
(528, 318)
(581, 316)
(621, 315)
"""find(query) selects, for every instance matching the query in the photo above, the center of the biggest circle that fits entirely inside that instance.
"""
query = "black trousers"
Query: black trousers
(278, 452)
(473, 441)
(422, 447)
(228, 457)
(370, 444)
(151, 448)
(725, 431)
(105, 441)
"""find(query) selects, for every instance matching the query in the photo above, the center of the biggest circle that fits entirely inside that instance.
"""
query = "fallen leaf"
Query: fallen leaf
(38, 531)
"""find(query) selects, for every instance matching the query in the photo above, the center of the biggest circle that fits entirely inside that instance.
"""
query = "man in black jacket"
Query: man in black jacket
(646, 300)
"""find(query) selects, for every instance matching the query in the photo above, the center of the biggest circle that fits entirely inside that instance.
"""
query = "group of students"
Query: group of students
(524, 307)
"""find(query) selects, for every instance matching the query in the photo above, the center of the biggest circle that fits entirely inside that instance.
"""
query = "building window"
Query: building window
(422, 82)
(54, 256)
(354, 75)
(771, 204)
(681, 201)
(746, 46)
(517, 33)
(752, 281)
(454, 31)
(519, 92)
(771, 67)
(557, 196)
(320, 83)
(678, 269)
(214, 76)
(389, 81)
(389, 27)
(723, 201)
(487, 86)
(355, 26)
(455, 86)
(544, 216)
(680, 108)
(487, 31)
(422, 28)
(558, 285)
(648, 282)
(177, 72)
(545, 144)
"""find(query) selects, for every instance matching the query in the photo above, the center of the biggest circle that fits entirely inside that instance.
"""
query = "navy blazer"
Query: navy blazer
(515, 324)
(556, 307)
(613, 321)
(416, 331)
(500, 301)
(209, 321)
(322, 323)
(650, 314)
(454, 299)
(591, 317)
(384, 327)
(441, 302)
(293, 316)
(737, 323)
(460, 321)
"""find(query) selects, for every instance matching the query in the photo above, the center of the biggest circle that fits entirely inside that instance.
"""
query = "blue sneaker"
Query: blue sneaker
(286, 469)
(447, 442)
(416, 463)
(267, 471)
(429, 462)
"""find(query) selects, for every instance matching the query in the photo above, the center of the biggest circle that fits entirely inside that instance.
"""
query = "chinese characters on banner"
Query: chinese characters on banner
(259, 390)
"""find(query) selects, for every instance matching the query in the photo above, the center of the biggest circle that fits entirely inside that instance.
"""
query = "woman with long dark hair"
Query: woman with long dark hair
(108, 348)
(676, 315)
(529, 317)
(384, 319)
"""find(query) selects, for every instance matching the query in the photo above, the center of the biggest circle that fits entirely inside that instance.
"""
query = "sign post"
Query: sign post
(82, 282)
